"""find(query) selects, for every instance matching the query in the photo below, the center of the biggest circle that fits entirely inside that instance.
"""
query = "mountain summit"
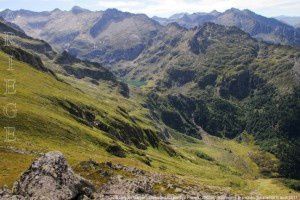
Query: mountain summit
(78, 10)
(267, 29)
(109, 35)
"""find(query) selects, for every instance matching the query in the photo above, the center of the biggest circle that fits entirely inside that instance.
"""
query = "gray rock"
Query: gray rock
(6, 194)
(50, 177)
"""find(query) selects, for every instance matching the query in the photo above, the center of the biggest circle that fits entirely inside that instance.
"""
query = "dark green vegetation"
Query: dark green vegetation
(222, 80)
(294, 184)
(203, 99)
(204, 156)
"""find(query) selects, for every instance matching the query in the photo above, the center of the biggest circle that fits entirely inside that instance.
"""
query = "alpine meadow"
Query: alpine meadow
(101, 101)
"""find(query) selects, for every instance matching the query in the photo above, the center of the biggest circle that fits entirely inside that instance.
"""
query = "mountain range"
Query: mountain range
(212, 98)
(267, 29)
(111, 36)
(293, 21)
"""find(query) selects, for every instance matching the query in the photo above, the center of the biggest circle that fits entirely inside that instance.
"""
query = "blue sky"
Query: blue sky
(163, 8)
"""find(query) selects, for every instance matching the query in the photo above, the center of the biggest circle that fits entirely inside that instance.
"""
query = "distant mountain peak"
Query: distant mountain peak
(247, 10)
(233, 10)
(7, 10)
(178, 15)
(113, 11)
(215, 12)
(241, 12)
(78, 10)
(176, 25)
(260, 27)
(109, 15)
(56, 10)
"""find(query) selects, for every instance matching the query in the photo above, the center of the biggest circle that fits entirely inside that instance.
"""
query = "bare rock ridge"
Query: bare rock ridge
(260, 27)
(49, 177)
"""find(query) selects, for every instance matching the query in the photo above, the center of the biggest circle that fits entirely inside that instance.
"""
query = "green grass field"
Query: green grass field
(43, 125)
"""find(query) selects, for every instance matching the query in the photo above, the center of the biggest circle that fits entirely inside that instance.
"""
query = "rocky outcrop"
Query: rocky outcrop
(94, 73)
(81, 113)
(124, 89)
(11, 28)
(92, 70)
(50, 177)
(124, 182)
(179, 77)
(109, 16)
(130, 134)
(66, 59)
(24, 56)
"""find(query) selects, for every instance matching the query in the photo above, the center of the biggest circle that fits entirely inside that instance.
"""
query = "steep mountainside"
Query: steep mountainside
(41, 55)
(267, 29)
(112, 36)
(293, 21)
(226, 82)
(107, 36)
(221, 73)
(92, 123)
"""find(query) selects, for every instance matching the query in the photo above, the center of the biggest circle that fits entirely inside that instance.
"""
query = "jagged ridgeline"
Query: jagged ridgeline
(260, 27)
(196, 105)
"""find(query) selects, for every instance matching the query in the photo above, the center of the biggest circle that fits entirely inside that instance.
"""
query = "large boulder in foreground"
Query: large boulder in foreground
(50, 177)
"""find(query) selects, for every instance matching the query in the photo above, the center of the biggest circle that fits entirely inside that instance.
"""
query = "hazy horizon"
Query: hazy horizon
(167, 8)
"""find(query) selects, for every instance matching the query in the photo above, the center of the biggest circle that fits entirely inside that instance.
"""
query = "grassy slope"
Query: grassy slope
(43, 126)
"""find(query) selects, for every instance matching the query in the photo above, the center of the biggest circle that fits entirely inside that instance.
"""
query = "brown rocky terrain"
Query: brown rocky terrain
(50, 177)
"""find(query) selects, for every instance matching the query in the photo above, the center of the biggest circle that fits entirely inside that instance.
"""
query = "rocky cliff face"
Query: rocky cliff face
(41, 56)
(105, 36)
(50, 177)
(267, 29)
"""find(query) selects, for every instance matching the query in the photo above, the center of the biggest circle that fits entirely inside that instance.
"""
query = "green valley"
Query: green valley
(159, 111)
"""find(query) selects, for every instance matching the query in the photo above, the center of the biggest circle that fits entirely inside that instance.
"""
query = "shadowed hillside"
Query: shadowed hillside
(209, 110)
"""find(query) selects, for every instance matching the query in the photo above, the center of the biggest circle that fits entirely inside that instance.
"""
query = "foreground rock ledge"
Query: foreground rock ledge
(50, 177)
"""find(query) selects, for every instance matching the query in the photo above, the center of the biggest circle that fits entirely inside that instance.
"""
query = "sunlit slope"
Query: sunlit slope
(44, 123)
(224, 165)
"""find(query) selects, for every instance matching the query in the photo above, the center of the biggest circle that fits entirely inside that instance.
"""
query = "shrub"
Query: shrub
(116, 150)
(204, 156)
(292, 183)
